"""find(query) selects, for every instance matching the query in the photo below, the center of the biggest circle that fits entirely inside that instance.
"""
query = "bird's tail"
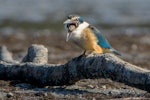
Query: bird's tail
(115, 51)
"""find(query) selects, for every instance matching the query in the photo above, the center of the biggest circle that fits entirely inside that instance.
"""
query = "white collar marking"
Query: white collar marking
(80, 28)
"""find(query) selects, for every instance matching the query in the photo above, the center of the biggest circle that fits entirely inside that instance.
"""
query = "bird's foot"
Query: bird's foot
(83, 54)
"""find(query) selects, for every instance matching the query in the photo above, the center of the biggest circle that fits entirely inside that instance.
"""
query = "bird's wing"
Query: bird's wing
(101, 40)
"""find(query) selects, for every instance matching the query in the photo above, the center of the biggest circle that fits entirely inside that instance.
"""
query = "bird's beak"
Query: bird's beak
(67, 21)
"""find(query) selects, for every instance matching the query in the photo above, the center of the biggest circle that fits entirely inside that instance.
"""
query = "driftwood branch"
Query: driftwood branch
(34, 69)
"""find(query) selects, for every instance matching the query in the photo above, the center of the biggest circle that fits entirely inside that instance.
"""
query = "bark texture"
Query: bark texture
(82, 67)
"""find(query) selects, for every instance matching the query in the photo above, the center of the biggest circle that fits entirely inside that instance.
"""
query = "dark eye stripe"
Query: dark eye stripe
(70, 16)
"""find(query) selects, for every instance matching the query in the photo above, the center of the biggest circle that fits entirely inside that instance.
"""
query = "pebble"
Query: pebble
(40, 94)
(9, 95)
(104, 86)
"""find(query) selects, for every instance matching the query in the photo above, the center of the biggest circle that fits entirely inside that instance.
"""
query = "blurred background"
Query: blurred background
(125, 23)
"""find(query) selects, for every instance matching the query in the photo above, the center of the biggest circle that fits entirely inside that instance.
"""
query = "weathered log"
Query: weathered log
(36, 54)
(5, 55)
(82, 67)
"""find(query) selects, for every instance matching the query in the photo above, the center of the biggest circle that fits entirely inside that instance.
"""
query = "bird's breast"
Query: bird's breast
(77, 39)
(85, 39)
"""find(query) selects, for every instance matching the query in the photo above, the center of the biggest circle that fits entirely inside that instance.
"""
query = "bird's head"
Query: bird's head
(72, 23)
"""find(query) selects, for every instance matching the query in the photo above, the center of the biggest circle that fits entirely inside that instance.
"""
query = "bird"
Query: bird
(86, 36)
